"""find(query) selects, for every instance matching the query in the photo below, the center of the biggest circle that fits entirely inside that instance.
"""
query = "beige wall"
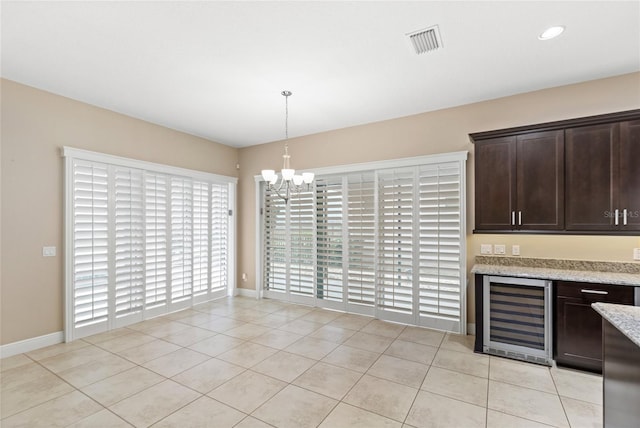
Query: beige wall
(446, 131)
(35, 125)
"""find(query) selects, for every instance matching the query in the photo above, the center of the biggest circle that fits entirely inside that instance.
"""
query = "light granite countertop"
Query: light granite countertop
(618, 273)
(623, 317)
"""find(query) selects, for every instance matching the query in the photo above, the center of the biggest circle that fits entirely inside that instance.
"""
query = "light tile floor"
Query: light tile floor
(245, 363)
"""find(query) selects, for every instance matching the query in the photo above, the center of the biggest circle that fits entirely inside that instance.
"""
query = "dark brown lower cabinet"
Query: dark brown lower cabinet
(578, 340)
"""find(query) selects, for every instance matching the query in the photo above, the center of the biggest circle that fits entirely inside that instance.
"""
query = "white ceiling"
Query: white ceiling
(216, 69)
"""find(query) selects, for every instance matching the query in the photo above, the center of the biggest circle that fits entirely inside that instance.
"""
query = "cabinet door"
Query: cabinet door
(591, 177)
(630, 175)
(578, 334)
(578, 326)
(495, 181)
(540, 181)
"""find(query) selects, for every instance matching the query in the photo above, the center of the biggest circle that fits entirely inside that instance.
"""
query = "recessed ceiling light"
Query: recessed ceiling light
(551, 32)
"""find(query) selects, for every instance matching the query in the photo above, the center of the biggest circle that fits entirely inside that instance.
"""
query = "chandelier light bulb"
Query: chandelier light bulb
(307, 177)
(287, 174)
(267, 174)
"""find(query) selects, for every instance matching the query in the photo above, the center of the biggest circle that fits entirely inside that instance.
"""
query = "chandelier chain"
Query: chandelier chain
(286, 94)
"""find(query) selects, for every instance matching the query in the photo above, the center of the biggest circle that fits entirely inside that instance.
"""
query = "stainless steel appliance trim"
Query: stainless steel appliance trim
(515, 351)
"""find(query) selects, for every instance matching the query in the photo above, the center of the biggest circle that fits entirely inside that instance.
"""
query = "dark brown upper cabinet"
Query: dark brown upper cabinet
(602, 173)
(577, 176)
(520, 182)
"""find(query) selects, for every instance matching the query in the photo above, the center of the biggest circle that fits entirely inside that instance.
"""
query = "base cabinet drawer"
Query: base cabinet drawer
(578, 338)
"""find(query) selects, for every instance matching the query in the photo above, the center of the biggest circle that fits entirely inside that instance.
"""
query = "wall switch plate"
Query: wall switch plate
(485, 249)
(499, 249)
(48, 251)
(515, 250)
(636, 254)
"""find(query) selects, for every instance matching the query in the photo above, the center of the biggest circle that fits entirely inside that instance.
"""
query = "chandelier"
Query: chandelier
(290, 181)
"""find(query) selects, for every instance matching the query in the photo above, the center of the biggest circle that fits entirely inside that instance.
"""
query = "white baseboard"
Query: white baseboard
(245, 292)
(471, 329)
(32, 344)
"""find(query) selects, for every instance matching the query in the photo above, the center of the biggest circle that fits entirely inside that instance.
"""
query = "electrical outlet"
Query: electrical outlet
(636, 254)
(499, 249)
(48, 251)
(515, 250)
(485, 249)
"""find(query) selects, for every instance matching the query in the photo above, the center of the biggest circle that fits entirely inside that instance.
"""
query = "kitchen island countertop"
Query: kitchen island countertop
(623, 317)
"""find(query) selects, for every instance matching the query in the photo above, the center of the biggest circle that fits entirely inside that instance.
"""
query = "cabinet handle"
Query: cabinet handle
(624, 217)
(519, 218)
(616, 214)
(513, 218)
(587, 291)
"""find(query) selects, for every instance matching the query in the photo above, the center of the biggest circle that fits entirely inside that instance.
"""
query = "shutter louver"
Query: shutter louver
(361, 233)
(329, 271)
(90, 244)
(129, 242)
(395, 240)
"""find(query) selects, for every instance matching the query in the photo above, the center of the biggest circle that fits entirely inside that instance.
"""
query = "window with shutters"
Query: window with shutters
(142, 240)
(386, 240)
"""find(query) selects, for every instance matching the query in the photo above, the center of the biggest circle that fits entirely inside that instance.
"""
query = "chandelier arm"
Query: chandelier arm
(280, 195)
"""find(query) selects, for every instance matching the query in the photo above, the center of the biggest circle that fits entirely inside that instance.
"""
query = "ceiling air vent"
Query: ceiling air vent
(426, 40)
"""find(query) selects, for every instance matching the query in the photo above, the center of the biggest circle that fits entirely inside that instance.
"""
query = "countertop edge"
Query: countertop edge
(623, 317)
(628, 279)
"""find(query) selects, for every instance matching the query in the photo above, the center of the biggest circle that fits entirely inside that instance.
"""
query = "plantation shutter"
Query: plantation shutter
(90, 219)
(156, 242)
(129, 245)
(329, 239)
(181, 239)
(441, 278)
(219, 239)
(395, 240)
(301, 231)
(275, 243)
(361, 232)
(201, 196)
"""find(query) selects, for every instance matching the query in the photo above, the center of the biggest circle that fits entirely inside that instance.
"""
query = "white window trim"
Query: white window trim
(70, 153)
(459, 157)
